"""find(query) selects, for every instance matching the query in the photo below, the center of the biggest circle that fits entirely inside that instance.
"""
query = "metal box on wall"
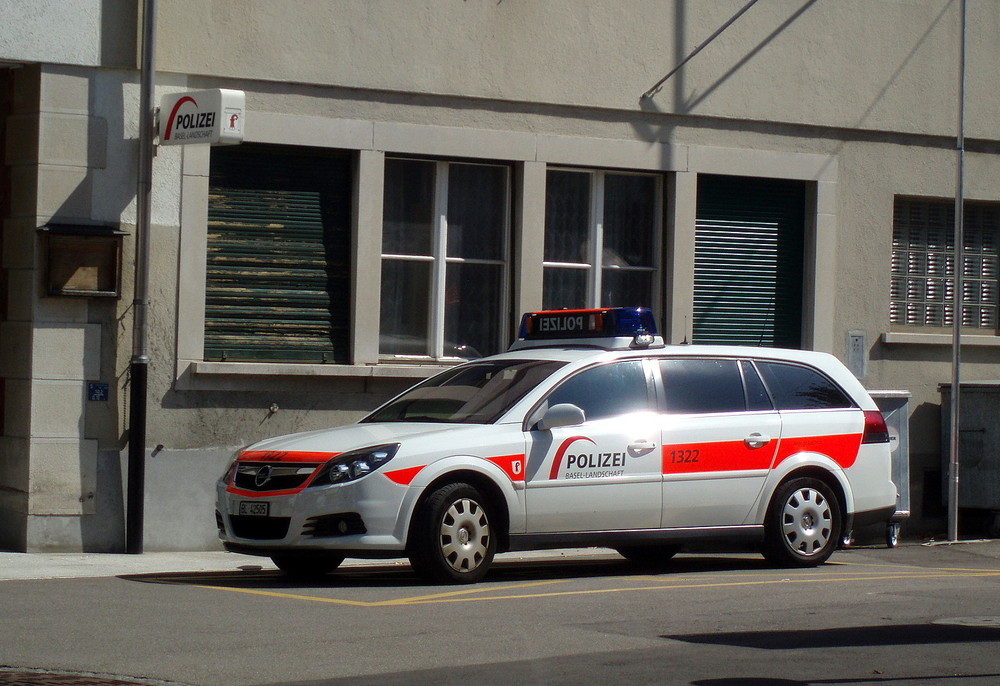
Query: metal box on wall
(895, 407)
(978, 446)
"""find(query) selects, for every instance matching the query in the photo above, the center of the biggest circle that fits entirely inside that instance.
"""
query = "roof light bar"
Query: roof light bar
(633, 323)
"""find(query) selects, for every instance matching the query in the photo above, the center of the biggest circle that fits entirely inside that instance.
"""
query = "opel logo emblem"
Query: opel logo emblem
(262, 476)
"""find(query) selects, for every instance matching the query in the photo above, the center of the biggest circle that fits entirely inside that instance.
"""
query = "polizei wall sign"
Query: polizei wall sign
(213, 116)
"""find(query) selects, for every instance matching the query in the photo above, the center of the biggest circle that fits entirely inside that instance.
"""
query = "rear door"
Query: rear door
(720, 435)
(818, 416)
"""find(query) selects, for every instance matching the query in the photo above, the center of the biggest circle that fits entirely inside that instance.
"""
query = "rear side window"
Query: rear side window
(698, 386)
(794, 387)
(606, 391)
(757, 397)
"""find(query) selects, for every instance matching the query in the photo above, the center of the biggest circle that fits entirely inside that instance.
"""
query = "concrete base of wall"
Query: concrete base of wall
(180, 499)
(179, 511)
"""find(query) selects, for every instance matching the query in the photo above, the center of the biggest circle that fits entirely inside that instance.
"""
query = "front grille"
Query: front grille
(327, 526)
(276, 476)
(259, 528)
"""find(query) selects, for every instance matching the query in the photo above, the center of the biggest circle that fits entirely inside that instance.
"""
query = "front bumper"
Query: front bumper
(361, 517)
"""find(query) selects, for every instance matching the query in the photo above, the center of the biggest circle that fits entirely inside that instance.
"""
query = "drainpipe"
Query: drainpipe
(956, 344)
(139, 366)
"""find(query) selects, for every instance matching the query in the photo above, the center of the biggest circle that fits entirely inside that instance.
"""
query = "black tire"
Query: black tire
(650, 556)
(803, 524)
(451, 538)
(307, 566)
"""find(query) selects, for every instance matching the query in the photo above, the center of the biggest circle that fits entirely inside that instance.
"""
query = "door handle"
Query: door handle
(641, 447)
(757, 440)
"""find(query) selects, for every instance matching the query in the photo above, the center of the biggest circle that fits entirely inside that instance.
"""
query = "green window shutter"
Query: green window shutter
(749, 261)
(278, 263)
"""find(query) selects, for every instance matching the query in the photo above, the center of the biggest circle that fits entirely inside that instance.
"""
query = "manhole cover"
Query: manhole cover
(42, 677)
(969, 621)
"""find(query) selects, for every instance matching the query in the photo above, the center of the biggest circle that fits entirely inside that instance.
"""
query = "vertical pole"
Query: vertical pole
(956, 345)
(139, 365)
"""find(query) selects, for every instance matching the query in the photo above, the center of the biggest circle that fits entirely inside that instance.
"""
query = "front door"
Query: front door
(603, 474)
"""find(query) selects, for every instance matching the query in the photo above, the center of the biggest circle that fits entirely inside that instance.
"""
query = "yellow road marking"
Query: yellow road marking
(477, 594)
(661, 587)
(415, 600)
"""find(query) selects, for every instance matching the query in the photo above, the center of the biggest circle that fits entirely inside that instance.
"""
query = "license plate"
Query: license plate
(255, 508)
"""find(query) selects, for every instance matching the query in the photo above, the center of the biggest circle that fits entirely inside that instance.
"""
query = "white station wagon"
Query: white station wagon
(589, 431)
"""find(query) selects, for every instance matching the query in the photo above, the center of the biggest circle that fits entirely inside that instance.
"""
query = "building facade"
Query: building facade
(415, 175)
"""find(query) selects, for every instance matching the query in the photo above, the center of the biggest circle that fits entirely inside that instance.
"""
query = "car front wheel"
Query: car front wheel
(452, 539)
(803, 525)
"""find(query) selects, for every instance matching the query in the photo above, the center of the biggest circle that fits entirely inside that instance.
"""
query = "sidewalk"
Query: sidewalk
(21, 566)
(77, 565)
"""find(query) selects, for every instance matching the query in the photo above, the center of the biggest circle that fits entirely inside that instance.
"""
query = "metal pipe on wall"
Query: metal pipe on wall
(139, 366)
(956, 345)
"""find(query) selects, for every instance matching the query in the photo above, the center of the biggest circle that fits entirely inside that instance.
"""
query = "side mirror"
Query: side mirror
(563, 414)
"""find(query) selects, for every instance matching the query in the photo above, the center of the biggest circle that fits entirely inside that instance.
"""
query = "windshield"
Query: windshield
(476, 393)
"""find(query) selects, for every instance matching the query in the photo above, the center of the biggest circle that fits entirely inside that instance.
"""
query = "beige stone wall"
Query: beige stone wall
(51, 347)
(887, 65)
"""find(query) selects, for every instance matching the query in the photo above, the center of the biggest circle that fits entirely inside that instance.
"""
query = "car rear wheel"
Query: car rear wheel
(803, 525)
(652, 556)
(307, 566)
(452, 539)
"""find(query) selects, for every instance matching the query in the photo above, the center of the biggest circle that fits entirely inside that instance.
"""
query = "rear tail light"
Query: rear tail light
(875, 429)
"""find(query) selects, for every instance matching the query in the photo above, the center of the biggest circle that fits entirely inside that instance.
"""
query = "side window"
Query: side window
(800, 388)
(698, 386)
(757, 397)
(606, 391)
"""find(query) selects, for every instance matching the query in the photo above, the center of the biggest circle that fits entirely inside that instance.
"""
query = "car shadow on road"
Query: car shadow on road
(400, 575)
(848, 637)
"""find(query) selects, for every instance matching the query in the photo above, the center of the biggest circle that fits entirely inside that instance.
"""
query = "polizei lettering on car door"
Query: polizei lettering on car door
(586, 465)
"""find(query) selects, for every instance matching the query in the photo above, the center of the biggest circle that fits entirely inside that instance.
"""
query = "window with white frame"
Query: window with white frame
(602, 233)
(445, 255)
(923, 264)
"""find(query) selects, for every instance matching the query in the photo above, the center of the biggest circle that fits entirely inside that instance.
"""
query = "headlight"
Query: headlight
(227, 476)
(354, 465)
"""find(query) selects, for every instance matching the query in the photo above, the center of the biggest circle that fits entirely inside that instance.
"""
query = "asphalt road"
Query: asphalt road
(913, 615)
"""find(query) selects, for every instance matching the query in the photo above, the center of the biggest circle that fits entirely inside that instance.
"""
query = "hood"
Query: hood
(342, 439)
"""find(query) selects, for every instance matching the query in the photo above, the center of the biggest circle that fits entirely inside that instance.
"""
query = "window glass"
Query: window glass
(794, 387)
(695, 386)
(473, 312)
(601, 232)
(408, 207)
(606, 391)
(403, 319)
(567, 216)
(629, 220)
(477, 393)
(564, 288)
(626, 287)
(757, 397)
(444, 259)
(923, 264)
(477, 222)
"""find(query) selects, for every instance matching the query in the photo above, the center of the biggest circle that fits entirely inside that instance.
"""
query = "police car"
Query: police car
(589, 431)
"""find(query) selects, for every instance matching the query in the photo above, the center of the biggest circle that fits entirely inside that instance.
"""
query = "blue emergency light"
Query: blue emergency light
(634, 323)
